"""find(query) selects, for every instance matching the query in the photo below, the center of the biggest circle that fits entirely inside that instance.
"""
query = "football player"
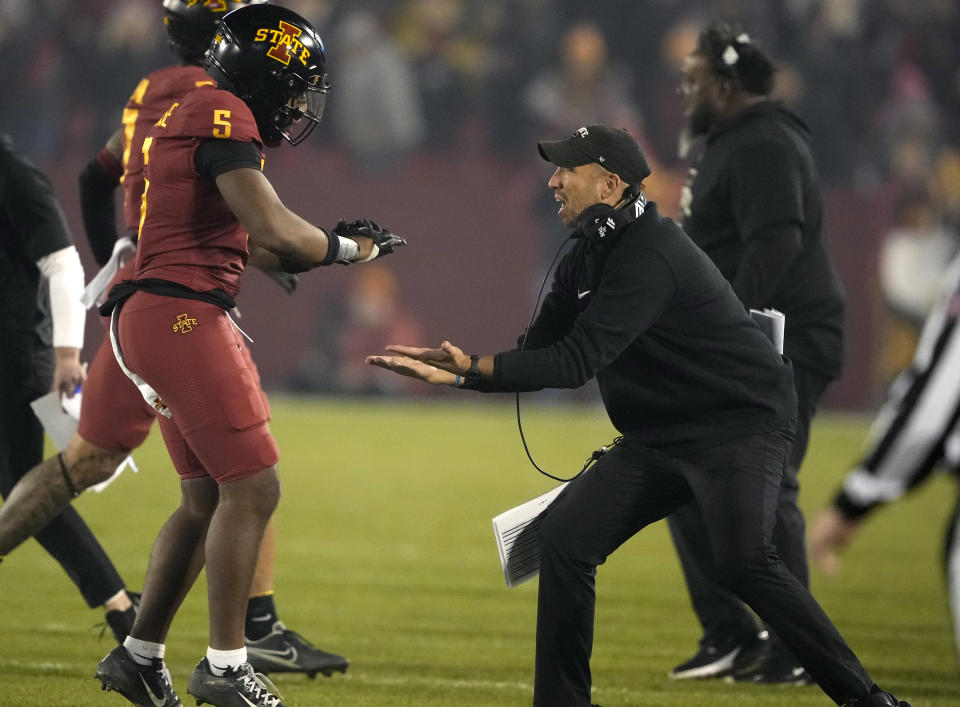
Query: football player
(204, 196)
(114, 418)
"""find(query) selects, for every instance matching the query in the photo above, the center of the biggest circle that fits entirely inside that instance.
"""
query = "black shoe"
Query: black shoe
(716, 659)
(240, 687)
(877, 699)
(772, 671)
(144, 685)
(286, 651)
(121, 622)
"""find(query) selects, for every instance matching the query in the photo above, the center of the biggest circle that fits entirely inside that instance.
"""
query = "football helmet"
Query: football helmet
(191, 24)
(273, 60)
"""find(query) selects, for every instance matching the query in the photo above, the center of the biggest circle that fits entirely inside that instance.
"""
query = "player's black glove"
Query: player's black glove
(384, 241)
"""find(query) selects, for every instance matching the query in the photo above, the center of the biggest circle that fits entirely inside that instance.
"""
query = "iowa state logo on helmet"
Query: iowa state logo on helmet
(284, 43)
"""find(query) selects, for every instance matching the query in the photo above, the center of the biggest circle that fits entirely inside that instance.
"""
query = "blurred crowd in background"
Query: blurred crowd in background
(480, 81)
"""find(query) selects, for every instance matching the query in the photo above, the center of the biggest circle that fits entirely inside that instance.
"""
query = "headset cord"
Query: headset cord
(523, 341)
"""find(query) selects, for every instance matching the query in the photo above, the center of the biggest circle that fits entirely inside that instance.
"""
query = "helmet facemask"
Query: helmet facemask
(303, 109)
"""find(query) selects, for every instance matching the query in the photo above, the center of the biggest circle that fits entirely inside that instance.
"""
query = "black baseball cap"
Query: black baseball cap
(612, 148)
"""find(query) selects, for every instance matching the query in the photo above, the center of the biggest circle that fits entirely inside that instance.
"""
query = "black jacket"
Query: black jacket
(32, 225)
(755, 182)
(678, 359)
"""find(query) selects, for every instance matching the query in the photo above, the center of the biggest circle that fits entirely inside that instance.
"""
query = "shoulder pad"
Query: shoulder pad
(210, 112)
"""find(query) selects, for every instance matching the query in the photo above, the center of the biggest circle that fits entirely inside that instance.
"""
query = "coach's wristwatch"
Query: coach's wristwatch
(473, 373)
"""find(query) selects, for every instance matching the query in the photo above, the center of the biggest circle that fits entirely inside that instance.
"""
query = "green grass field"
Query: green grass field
(386, 555)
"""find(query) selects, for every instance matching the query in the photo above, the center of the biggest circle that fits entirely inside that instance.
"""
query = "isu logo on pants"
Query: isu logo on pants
(184, 324)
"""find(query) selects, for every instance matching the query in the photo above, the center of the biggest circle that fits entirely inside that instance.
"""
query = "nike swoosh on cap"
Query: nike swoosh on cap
(581, 295)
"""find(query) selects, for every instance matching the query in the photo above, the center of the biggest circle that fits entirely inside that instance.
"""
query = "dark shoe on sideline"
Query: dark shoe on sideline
(286, 651)
(877, 699)
(143, 685)
(716, 659)
(135, 599)
(240, 687)
(773, 671)
(121, 622)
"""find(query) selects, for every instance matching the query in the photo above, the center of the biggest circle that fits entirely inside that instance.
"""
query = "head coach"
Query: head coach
(704, 403)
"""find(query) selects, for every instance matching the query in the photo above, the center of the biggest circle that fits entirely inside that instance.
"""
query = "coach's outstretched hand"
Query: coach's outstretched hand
(384, 241)
(440, 366)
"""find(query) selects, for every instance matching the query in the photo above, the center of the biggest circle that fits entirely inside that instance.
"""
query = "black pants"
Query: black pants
(67, 537)
(736, 485)
(721, 613)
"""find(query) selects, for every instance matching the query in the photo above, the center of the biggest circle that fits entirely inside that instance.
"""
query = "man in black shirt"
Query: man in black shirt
(704, 402)
(41, 327)
(753, 204)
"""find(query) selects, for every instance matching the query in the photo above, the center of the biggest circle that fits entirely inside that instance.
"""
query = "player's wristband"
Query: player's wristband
(458, 381)
(333, 249)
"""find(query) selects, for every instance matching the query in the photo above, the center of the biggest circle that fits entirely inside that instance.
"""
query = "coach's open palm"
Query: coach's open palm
(406, 366)
(448, 357)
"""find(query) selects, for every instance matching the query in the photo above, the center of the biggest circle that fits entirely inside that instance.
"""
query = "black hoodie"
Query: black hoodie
(756, 173)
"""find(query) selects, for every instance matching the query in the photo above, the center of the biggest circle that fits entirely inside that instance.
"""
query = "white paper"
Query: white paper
(518, 538)
(60, 425)
(772, 323)
(60, 419)
(71, 406)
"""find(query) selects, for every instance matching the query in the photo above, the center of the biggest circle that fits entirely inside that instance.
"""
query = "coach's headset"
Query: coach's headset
(599, 221)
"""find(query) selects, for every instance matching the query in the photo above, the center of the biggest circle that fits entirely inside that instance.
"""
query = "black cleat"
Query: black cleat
(772, 672)
(877, 699)
(717, 659)
(240, 687)
(135, 599)
(143, 685)
(286, 651)
(121, 622)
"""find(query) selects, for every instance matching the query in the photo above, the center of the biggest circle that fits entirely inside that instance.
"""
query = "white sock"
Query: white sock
(222, 661)
(143, 652)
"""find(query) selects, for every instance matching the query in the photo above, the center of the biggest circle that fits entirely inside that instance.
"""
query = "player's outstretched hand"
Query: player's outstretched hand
(830, 533)
(412, 368)
(383, 240)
